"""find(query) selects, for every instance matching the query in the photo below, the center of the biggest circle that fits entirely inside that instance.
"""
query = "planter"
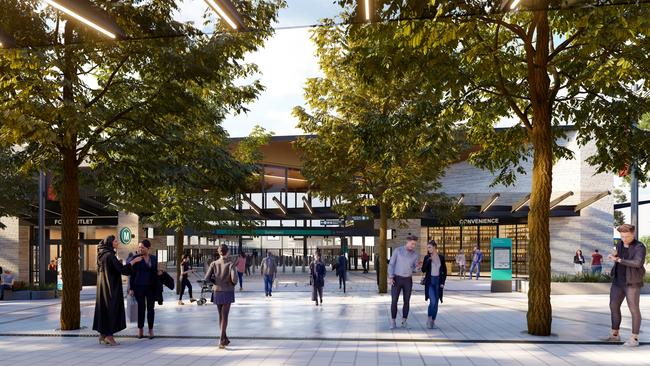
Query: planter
(17, 295)
(43, 294)
(576, 288)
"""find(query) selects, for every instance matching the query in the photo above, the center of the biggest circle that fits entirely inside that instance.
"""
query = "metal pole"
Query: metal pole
(42, 253)
(634, 193)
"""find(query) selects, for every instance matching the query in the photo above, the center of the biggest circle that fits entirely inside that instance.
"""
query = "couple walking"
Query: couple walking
(403, 262)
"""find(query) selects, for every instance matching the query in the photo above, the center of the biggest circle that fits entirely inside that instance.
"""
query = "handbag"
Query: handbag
(131, 309)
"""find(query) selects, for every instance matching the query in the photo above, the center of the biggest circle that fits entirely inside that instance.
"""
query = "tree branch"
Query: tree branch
(109, 82)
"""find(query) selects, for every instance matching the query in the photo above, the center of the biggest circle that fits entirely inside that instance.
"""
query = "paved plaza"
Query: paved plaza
(476, 327)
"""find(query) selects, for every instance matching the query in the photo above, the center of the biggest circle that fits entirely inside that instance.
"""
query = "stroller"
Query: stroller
(206, 288)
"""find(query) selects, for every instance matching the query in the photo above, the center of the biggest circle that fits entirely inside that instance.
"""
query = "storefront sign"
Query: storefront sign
(331, 222)
(86, 221)
(125, 235)
(465, 222)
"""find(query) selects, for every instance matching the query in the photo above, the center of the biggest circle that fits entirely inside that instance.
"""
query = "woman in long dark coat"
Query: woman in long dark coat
(435, 275)
(317, 272)
(109, 304)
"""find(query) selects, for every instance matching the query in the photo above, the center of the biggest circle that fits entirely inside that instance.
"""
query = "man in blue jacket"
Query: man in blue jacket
(477, 258)
(341, 270)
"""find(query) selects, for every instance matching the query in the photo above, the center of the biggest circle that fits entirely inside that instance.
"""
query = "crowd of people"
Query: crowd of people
(146, 282)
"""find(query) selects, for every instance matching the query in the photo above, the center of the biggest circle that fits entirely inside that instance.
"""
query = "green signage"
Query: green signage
(501, 259)
(125, 235)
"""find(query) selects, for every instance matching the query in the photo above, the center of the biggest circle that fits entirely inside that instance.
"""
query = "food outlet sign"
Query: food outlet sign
(87, 221)
(465, 222)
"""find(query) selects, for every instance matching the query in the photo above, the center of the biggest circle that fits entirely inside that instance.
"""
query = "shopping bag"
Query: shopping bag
(131, 309)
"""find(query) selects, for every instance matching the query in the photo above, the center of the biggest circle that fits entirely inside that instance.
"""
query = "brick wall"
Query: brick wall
(14, 247)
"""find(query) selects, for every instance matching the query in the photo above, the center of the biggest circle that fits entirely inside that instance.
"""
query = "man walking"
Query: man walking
(477, 258)
(400, 276)
(364, 260)
(341, 270)
(627, 280)
(268, 269)
(596, 263)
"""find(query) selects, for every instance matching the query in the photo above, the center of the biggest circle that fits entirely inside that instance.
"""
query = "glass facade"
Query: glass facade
(451, 239)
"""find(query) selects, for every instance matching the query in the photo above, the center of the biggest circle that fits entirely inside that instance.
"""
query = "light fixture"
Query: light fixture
(557, 201)
(461, 198)
(514, 4)
(308, 205)
(227, 12)
(6, 41)
(521, 203)
(254, 207)
(282, 207)
(425, 206)
(89, 15)
(489, 202)
(591, 200)
(367, 9)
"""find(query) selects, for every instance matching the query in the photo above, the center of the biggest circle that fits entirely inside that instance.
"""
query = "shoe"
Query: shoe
(392, 324)
(140, 334)
(270, 294)
(192, 300)
(151, 334)
(613, 338)
(222, 346)
(102, 340)
(181, 303)
(429, 323)
(111, 342)
(404, 324)
(632, 342)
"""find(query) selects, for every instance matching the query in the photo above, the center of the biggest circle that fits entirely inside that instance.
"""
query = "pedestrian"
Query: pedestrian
(144, 285)
(7, 282)
(365, 259)
(578, 261)
(241, 268)
(461, 262)
(596, 263)
(249, 262)
(341, 270)
(477, 258)
(186, 269)
(109, 302)
(268, 269)
(222, 273)
(435, 276)
(401, 266)
(317, 272)
(627, 279)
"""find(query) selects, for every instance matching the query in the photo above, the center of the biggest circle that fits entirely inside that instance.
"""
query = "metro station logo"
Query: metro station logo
(125, 235)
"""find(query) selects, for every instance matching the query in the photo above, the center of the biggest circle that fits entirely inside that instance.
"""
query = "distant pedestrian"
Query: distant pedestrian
(477, 258)
(401, 266)
(110, 317)
(269, 270)
(241, 268)
(223, 275)
(578, 261)
(462, 263)
(434, 280)
(627, 279)
(249, 263)
(341, 270)
(186, 269)
(596, 263)
(144, 286)
(317, 271)
(365, 259)
(7, 282)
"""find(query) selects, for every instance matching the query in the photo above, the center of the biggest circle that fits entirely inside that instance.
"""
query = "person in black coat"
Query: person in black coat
(341, 269)
(109, 304)
(435, 276)
(317, 271)
(144, 285)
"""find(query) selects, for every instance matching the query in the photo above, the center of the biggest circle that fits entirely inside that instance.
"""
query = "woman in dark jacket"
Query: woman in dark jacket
(223, 274)
(143, 285)
(109, 304)
(435, 276)
(317, 272)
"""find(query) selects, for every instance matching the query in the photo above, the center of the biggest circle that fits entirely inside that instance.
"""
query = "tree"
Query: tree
(69, 100)
(18, 188)
(382, 135)
(544, 66)
(619, 197)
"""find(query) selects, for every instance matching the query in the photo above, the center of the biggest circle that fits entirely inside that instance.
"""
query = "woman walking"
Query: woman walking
(222, 274)
(241, 268)
(317, 272)
(109, 305)
(185, 282)
(578, 261)
(462, 263)
(435, 276)
(143, 284)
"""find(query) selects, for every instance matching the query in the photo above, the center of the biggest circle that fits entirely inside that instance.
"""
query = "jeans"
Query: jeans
(317, 292)
(632, 295)
(2, 290)
(434, 297)
(268, 284)
(146, 299)
(364, 264)
(185, 283)
(478, 270)
(241, 279)
(401, 283)
(597, 269)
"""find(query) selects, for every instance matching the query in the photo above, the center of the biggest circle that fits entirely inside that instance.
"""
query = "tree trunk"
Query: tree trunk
(539, 315)
(178, 242)
(383, 256)
(70, 307)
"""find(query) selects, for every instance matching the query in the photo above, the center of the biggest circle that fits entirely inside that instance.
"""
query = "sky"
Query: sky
(287, 60)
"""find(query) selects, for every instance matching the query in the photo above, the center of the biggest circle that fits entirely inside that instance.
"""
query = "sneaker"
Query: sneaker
(181, 303)
(613, 338)
(192, 300)
(430, 323)
(392, 324)
(404, 324)
(632, 342)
